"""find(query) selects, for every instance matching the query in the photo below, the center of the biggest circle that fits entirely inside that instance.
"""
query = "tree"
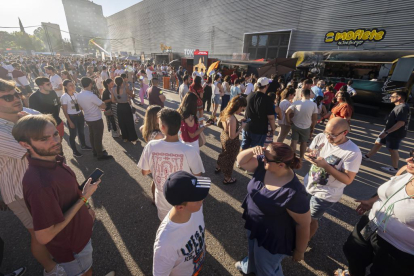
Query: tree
(6, 40)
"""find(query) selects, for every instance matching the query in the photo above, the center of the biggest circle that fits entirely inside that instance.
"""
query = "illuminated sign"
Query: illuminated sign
(355, 37)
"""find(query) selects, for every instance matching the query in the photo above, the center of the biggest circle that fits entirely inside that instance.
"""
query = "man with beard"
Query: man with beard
(14, 166)
(62, 218)
(46, 101)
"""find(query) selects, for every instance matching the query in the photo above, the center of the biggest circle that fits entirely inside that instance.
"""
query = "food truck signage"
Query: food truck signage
(354, 37)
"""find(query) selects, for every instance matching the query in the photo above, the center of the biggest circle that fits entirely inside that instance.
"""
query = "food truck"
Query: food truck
(374, 73)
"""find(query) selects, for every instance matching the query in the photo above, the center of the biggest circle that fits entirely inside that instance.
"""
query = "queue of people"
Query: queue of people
(281, 213)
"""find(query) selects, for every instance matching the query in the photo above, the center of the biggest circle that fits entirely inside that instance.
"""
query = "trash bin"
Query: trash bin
(166, 82)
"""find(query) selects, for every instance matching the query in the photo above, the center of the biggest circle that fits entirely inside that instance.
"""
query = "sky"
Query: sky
(33, 12)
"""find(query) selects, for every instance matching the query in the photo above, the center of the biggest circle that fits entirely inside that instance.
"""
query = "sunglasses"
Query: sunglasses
(271, 161)
(10, 98)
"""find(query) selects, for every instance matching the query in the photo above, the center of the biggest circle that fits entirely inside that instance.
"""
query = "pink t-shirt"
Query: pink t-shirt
(185, 129)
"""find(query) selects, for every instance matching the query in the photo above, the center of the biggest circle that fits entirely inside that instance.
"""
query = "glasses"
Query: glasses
(332, 135)
(393, 97)
(10, 98)
(271, 161)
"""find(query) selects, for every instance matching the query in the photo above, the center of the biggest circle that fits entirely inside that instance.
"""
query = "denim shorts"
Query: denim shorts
(250, 140)
(391, 143)
(81, 263)
(318, 206)
(216, 99)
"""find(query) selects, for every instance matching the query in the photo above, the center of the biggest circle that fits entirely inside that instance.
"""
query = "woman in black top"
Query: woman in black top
(112, 120)
(207, 94)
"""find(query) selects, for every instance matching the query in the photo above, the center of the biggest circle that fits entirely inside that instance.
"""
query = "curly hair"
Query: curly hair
(232, 107)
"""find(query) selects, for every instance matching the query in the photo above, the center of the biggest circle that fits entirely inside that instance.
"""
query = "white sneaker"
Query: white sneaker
(238, 266)
(18, 272)
(389, 169)
(57, 271)
(365, 157)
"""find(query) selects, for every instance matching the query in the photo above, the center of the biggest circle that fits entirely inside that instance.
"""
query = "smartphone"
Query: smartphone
(247, 120)
(96, 175)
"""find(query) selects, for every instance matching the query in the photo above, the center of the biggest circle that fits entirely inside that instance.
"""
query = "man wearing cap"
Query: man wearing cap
(261, 112)
(179, 247)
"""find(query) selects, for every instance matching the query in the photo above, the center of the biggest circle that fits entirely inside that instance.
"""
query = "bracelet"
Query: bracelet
(84, 200)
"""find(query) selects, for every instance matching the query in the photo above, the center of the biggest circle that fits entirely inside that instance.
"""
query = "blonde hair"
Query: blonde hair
(150, 121)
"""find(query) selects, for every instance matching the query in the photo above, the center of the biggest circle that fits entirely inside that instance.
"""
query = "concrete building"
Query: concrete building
(53, 32)
(85, 21)
(262, 28)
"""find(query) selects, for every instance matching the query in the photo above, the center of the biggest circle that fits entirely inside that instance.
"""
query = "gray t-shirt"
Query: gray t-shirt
(346, 156)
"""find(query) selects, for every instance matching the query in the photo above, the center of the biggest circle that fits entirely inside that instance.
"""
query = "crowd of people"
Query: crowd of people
(281, 212)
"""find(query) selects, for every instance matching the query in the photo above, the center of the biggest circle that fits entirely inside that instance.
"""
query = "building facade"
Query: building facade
(54, 35)
(262, 28)
(85, 21)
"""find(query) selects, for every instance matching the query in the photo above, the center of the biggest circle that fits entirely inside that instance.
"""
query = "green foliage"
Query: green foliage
(36, 42)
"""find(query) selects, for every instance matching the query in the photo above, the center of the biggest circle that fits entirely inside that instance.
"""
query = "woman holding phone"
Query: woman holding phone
(229, 138)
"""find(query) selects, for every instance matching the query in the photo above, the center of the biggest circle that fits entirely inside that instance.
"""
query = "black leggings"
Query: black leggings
(386, 260)
(207, 99)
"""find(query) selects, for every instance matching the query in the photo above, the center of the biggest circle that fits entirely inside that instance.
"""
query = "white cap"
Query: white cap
(263, 81)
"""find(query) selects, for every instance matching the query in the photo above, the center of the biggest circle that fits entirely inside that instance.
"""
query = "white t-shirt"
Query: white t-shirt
(104, 75)
(346, 156)
(149, 73)
(351, 91)
(118, 72)
(70, 101)
(284, 105)
(249, 88)
(303, 111)
(400, 227)
(23, 80)
(90, 103)
(56, 80)
(179, 248)
(163, 158)
(195, 74)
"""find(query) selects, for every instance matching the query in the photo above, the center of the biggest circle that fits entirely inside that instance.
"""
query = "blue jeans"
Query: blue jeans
(260, 261)
(224, 102)
(250, 140)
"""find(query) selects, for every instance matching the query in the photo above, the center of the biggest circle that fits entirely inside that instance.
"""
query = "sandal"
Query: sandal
(340, 272)
(217, 170)
(231, 181)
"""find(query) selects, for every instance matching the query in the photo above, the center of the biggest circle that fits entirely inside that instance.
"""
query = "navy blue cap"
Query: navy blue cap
(184, 187)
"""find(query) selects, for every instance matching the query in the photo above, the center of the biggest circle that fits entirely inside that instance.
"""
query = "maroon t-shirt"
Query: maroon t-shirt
(50, 189)
(154, 96)
(4, 73)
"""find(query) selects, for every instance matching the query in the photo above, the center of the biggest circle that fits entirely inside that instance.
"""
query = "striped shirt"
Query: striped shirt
(12, 162)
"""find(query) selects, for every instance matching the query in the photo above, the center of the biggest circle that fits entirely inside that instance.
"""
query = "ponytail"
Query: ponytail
(295, 163)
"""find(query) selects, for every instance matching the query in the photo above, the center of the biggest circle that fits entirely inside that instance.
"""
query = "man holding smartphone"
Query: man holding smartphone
(335, 162)
(62, 218)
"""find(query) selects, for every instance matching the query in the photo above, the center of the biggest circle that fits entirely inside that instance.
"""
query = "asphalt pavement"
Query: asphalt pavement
(127, 222)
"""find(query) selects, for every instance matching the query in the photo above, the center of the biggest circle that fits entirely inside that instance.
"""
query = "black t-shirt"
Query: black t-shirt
(106, 95)
(400, 112)
(46, 104)
(259, 106)
(273, 86)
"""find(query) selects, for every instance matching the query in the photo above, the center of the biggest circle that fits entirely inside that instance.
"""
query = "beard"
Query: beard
(49, 152)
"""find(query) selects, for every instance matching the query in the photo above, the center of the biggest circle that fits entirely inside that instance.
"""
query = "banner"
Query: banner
(200, 61)
(103, 56)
